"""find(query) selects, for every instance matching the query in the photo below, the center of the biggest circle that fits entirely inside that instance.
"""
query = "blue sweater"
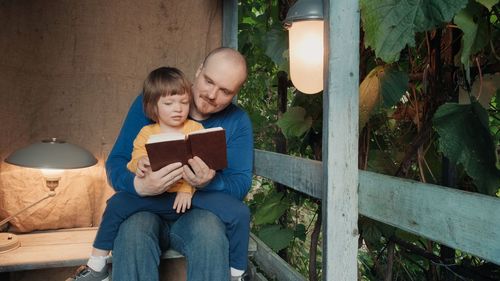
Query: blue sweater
(235, 180)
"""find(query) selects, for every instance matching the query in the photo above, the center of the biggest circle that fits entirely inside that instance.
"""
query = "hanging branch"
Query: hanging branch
(390, 260)
(422, 137)
(461, 270)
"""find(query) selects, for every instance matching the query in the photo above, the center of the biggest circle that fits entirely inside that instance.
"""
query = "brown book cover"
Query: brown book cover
(208, 144)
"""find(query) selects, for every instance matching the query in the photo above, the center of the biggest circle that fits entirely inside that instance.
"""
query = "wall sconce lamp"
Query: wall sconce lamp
(304, 22)
(52, 156)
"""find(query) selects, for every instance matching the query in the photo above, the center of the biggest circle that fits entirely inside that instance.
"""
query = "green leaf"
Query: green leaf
(488, 3)
(464, 138)
(380, 162)
(294, 122)
(408, 236)
(300, 232)
(475, 29)
(393, 85)
(373, 230)
(276, 43)
(390, 25)
(275, 237)
(273, 207)
(313, 104)
(371, 233)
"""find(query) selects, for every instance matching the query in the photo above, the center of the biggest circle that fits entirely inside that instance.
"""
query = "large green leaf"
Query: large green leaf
(373, 230)
(393, 85)
(464, 138)
(381, 162)
(475, 29)
(300, 232)
(294, 122)
(276, 43)
(275, 237)
(273, 207)
(488, 3)
(390, 25)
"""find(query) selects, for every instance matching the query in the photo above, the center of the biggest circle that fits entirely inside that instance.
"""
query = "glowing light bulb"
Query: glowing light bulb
(52, 177)
(306, 55)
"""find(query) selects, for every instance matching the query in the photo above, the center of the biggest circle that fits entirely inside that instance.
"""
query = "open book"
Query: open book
(208, 144)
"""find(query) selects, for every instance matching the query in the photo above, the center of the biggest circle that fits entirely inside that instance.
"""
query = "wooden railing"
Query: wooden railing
(462, 220)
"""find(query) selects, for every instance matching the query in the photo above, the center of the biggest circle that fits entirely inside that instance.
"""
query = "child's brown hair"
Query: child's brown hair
(161, 82)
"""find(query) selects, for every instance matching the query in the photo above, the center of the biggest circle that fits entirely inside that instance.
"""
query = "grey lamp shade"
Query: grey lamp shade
(52, 154)
(304, 10)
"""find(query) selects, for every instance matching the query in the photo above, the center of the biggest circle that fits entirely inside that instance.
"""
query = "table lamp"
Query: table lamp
(52, 156)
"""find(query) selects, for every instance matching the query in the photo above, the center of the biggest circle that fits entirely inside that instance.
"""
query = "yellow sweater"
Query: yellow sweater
(140, 150)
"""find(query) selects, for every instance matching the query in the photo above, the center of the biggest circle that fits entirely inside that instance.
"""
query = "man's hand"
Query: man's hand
(154, 183)
(182, 202)
(199, 174)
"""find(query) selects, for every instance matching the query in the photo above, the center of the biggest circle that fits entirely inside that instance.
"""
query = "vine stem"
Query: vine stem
(480, 79)
(313, 275)
(390, 260)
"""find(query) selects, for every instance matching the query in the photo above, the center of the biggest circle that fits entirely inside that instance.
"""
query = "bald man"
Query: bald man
(199, 235)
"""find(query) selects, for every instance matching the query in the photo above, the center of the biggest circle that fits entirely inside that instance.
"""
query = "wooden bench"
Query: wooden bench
(60, 248)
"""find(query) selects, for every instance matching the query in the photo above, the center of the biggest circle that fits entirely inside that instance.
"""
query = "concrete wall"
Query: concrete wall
(70, 69)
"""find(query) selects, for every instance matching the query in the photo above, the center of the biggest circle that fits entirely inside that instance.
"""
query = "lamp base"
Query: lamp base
(8, 242)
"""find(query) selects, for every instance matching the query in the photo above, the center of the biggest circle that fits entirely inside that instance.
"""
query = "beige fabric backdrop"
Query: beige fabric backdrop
(70, 69)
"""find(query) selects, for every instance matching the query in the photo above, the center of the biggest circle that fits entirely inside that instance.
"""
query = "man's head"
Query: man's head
(217, 81)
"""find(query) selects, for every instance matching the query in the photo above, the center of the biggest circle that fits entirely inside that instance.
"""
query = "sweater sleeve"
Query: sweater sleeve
(139, 150)
(119, 177)
(184, 187)
(236, 179)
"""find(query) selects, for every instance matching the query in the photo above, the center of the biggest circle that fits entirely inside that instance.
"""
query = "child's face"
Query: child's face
(173, 110)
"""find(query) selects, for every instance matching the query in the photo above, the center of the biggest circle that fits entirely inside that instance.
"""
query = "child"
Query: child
(166, 100)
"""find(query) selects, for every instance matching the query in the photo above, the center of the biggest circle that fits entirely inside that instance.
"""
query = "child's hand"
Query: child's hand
(182, 202)
(142, 166)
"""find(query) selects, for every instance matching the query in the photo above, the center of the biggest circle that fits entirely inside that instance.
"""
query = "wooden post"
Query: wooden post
(340, 140)
(230, 23)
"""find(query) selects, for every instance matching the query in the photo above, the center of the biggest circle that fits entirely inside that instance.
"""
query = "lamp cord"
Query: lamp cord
(50, 194)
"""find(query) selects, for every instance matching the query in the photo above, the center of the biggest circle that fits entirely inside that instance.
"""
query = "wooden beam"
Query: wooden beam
(340, 140)
(459, 219)
(272, 264)
(230, 23)
(301, 174)
(462, 220)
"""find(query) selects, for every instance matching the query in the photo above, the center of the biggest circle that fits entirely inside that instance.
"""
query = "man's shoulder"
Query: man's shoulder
(231, 118)
(234, 110)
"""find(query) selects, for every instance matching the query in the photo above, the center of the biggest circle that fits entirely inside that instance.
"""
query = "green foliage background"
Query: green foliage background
(409, 115)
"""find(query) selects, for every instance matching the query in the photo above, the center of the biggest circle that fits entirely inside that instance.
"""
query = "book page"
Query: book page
(165, 137)
(206, 130)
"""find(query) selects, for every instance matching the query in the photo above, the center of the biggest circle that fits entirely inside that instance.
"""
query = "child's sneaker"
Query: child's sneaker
(85, 273)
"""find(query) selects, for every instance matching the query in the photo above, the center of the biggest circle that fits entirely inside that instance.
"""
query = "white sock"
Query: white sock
(236, 272)
(97, 263)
